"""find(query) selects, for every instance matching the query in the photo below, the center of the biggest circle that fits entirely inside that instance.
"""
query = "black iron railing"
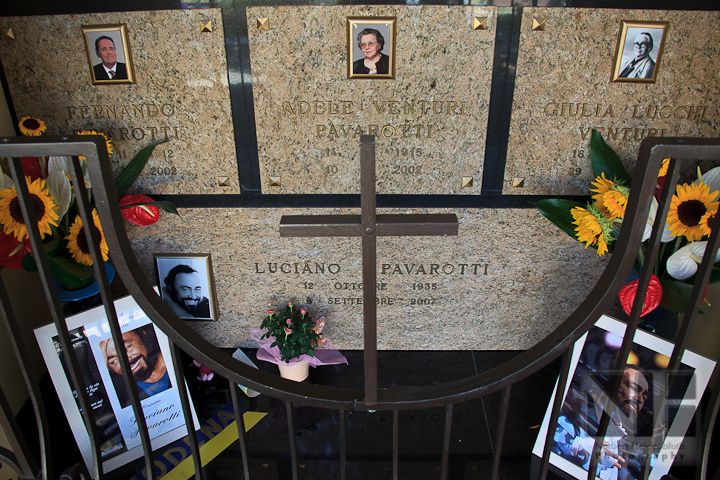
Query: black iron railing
(556, 345)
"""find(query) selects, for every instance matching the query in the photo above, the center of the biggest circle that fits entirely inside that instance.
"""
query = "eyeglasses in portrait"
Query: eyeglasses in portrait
(371, 47)
(639, 49)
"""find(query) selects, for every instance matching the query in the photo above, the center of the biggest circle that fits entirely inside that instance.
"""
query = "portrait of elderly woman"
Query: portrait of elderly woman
(370, 47)
(639, 50)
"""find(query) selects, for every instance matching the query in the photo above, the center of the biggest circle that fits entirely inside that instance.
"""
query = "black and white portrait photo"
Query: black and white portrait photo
(185, 283)
(371, 47)
(108, 53)
(639, 49)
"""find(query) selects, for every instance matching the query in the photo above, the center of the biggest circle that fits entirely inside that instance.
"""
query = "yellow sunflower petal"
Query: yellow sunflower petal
(108, 143)
(664, 167)
(11, 214)
(690, 210)
(77, 243)
(31, 126)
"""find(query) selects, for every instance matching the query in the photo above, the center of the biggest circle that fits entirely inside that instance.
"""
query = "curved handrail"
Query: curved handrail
(652, 151)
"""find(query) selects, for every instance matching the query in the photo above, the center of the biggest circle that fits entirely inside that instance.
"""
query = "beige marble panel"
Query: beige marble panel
(309, 114)
(563, 89)
(181, 92)
(504, 282)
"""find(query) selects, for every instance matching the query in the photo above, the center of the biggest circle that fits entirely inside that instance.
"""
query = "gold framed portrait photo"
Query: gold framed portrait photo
(108, 53)
(639, 49)
(371, 47)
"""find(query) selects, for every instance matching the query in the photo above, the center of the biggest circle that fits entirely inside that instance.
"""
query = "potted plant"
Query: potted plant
(289, 337)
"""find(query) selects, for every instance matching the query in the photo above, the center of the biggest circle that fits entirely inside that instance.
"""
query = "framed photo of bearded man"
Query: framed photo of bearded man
(186, 284)
(639, 50)
(371, 47)
(108, 53)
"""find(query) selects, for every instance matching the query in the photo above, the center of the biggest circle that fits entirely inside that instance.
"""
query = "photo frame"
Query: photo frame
(187, 284)
(111, 410)
(108, 53)
(375, 59)
(631, 434)
(639, 50)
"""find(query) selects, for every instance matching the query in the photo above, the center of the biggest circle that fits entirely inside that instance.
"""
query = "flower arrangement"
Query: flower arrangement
(59, 222)
(293, 331)
(597, 223)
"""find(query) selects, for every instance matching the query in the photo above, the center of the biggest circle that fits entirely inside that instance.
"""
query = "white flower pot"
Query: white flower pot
(297, 371)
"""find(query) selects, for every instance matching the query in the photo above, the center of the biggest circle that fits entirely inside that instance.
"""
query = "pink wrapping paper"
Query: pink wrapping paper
(327, 355)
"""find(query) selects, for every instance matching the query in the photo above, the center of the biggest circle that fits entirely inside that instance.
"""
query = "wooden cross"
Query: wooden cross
(368, 225)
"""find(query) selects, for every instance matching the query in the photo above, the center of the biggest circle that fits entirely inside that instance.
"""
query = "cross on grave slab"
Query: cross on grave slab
(368, 225)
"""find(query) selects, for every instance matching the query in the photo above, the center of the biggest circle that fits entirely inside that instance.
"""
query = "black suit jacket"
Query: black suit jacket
(120, 72)
(383, 65)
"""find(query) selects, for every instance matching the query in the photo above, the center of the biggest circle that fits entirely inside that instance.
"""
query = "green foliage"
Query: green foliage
(130, 173)
(303, 337)
(604, 159)
(557, 210)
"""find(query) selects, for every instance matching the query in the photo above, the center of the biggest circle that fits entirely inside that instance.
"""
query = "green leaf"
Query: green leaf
(604, 159)
(676, 295)
(69, 273)
(131, 172)
(557, 210)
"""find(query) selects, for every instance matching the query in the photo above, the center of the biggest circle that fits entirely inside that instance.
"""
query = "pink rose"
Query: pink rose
(322, 341)
(288, 322)
(270, 312)
(288, 331)
(303, 311)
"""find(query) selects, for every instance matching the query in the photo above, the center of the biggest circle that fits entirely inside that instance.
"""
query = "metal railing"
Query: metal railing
(557, 345)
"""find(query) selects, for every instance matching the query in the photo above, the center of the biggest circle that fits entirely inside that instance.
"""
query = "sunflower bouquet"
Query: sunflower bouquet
(597, 223)
(59, 224)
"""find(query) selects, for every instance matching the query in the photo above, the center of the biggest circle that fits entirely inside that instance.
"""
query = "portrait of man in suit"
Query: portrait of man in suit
(108, 54)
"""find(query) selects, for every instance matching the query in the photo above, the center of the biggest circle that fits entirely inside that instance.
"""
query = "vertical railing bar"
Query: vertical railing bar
(555, 412)
(702, 279)
(396, 445)
(343, 447)
(240, 423)
(632, 324)
(187, 411)
(41, 261)
(16, 441)
(446, 441)
(369, 265)
(500, 433)
(291, 437)
(19, 349)
(93, 242)
(703, 452)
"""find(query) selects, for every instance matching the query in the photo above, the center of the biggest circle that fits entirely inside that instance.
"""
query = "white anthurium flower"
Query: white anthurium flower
(711, 178)
(666, 236)
(684, 263)
(61, 163)
(61, 191)
(5, 181)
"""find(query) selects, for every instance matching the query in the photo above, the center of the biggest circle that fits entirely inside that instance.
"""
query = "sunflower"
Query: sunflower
(11, 214)
(31, 126)
(78, 245)
(691, 208)
(108, 143)
(610, 197)
(593, 228)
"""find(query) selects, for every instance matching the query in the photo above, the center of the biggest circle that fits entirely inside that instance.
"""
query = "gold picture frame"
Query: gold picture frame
(381, 47)
(196, 268)
(638, 52)
(108, 53)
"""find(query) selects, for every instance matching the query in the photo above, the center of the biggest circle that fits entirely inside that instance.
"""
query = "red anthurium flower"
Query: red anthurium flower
(652, 298)
(139, 214)
(12, 252)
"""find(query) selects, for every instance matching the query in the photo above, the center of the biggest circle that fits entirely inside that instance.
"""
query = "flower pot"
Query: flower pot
(297, 371)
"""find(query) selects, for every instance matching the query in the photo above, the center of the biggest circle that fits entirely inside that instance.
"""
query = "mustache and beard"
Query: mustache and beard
(189, 302)
(141, 366)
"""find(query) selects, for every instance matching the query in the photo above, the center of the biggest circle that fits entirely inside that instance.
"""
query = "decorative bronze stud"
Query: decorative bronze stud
(479, 23)
(207, 27)
(518, 182)
(274, 181)
(467, 182)
(10, 33)
(223, 181)
(538, 25)
(263, 23)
